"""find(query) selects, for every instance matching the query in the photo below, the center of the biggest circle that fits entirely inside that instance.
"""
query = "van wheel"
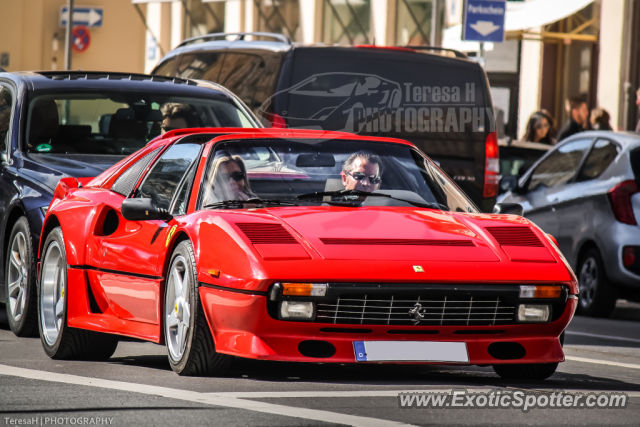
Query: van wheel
(597, 296)
(20, 282)
(527, 371)
(190, 345)
(58, 339)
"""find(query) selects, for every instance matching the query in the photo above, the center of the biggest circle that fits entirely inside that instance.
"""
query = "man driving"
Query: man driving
(176, 116)
(362, 171)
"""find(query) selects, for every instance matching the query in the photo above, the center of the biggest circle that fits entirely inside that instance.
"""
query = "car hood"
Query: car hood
(381, 233)
(50, 168)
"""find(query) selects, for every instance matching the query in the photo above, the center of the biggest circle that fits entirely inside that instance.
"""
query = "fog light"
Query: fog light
(533, 313)
(304, 289)
(529, 291)
(296, 310)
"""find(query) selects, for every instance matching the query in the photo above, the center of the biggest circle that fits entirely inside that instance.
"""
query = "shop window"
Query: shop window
(347, 22)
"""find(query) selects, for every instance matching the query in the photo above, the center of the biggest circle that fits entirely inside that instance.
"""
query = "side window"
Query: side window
(162, 181)
(166, 68)
(203, 65)
(561, 166)
(243, 75)
(6, 106)
(180, 205)
(129, 178)
(599, 159)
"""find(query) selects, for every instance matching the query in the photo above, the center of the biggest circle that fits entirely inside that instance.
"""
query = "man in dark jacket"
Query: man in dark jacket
(578, 116)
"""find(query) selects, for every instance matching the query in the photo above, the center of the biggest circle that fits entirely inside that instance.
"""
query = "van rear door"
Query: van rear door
(441, 104)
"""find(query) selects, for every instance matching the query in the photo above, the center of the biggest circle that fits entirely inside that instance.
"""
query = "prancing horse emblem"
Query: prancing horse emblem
(415, 313)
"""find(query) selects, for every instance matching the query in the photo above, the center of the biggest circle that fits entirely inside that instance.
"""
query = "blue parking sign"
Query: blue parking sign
(484, 20)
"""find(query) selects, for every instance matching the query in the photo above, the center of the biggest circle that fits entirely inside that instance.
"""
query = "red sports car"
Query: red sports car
(302, 246)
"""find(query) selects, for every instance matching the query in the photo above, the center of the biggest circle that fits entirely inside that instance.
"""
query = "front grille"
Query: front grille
(405, 310)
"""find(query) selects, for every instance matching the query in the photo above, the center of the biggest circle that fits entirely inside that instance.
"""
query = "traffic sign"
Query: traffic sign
(81, 38)
(90, 17)
(484, 20)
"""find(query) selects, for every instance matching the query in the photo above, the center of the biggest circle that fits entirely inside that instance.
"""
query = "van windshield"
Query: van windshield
(119, 123)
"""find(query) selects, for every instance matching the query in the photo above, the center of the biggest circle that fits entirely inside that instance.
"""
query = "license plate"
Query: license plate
(410, 351)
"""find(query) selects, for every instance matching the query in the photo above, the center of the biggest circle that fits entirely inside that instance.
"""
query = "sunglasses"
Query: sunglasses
(238, 176)
(359, 176)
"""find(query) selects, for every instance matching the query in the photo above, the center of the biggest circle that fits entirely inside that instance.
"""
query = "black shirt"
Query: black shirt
(570, 129)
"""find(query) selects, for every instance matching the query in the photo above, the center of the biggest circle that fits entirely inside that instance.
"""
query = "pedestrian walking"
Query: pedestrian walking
(638, 104)
(578, 115)
(600, 119)
(541, 128)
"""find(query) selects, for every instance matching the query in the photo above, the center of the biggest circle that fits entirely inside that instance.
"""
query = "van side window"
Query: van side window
(202, 65)
(251, 77)
(166, 68)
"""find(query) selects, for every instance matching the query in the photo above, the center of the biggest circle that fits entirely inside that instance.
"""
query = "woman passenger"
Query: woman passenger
(230, 181)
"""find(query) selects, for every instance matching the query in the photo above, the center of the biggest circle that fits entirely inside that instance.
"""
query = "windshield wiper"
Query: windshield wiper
(375, 194)
(251, 201)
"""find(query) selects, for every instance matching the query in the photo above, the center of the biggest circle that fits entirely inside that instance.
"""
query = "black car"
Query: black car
(436, 98)
(78, 124)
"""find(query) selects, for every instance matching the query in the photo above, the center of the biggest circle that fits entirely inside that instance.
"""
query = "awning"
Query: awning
(536, 13)
(522, 16)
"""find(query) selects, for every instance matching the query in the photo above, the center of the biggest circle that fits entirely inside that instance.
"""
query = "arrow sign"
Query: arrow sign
(484, 20)
(91, 17)
(484, 27)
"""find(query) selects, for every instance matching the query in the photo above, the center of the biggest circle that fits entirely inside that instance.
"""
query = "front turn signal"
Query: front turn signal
(304, 289)
(530, 291)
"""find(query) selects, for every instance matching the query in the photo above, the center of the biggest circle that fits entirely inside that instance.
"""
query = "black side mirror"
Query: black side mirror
(508, 208)
(143, 210)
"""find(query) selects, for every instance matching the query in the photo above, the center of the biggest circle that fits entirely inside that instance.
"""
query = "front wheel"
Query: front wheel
(20, 280)
(187, 334)
(59, 340)
(527, 371)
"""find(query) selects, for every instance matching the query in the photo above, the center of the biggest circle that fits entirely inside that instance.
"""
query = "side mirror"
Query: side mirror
(143, 210)
(508, 208)
(4, 159)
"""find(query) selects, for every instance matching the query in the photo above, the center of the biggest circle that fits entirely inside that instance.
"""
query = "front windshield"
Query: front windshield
(119, 123)
(341, 172)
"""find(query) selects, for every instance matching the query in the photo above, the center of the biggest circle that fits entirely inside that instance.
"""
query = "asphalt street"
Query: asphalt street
(137, 386)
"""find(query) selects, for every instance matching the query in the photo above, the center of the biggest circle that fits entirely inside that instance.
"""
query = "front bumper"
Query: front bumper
(242, 326)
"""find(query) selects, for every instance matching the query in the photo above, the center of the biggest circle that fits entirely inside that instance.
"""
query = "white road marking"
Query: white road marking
(206, 398)
(602, 362)
(606, 337)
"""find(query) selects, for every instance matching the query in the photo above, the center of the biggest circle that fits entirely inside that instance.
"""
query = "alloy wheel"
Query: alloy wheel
(18, 276)
(177, 307)
(588, 282)
(52, 293)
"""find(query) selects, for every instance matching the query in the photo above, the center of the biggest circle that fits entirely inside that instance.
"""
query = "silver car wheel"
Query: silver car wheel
(177, 308)
(588, 282)
(52, 293)
(18, 276)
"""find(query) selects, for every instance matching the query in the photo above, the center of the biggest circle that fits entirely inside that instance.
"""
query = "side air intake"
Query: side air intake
(515, 236)
(261, 233)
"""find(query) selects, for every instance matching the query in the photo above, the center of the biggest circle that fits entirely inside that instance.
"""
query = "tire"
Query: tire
(597, 295)
(59, 340)
(21, 282)
(190, 345)
(527, 371)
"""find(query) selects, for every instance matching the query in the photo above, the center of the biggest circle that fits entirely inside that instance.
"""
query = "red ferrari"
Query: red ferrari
(299, 246)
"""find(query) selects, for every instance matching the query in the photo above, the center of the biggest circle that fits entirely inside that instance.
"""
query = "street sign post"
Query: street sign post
(484, 20)
(90, 17)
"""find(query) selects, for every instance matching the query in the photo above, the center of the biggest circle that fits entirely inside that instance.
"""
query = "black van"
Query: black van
(436, 98)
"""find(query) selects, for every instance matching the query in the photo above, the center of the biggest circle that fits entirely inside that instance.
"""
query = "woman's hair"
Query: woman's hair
(600, 119)
(222, 158)
(535, 121)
